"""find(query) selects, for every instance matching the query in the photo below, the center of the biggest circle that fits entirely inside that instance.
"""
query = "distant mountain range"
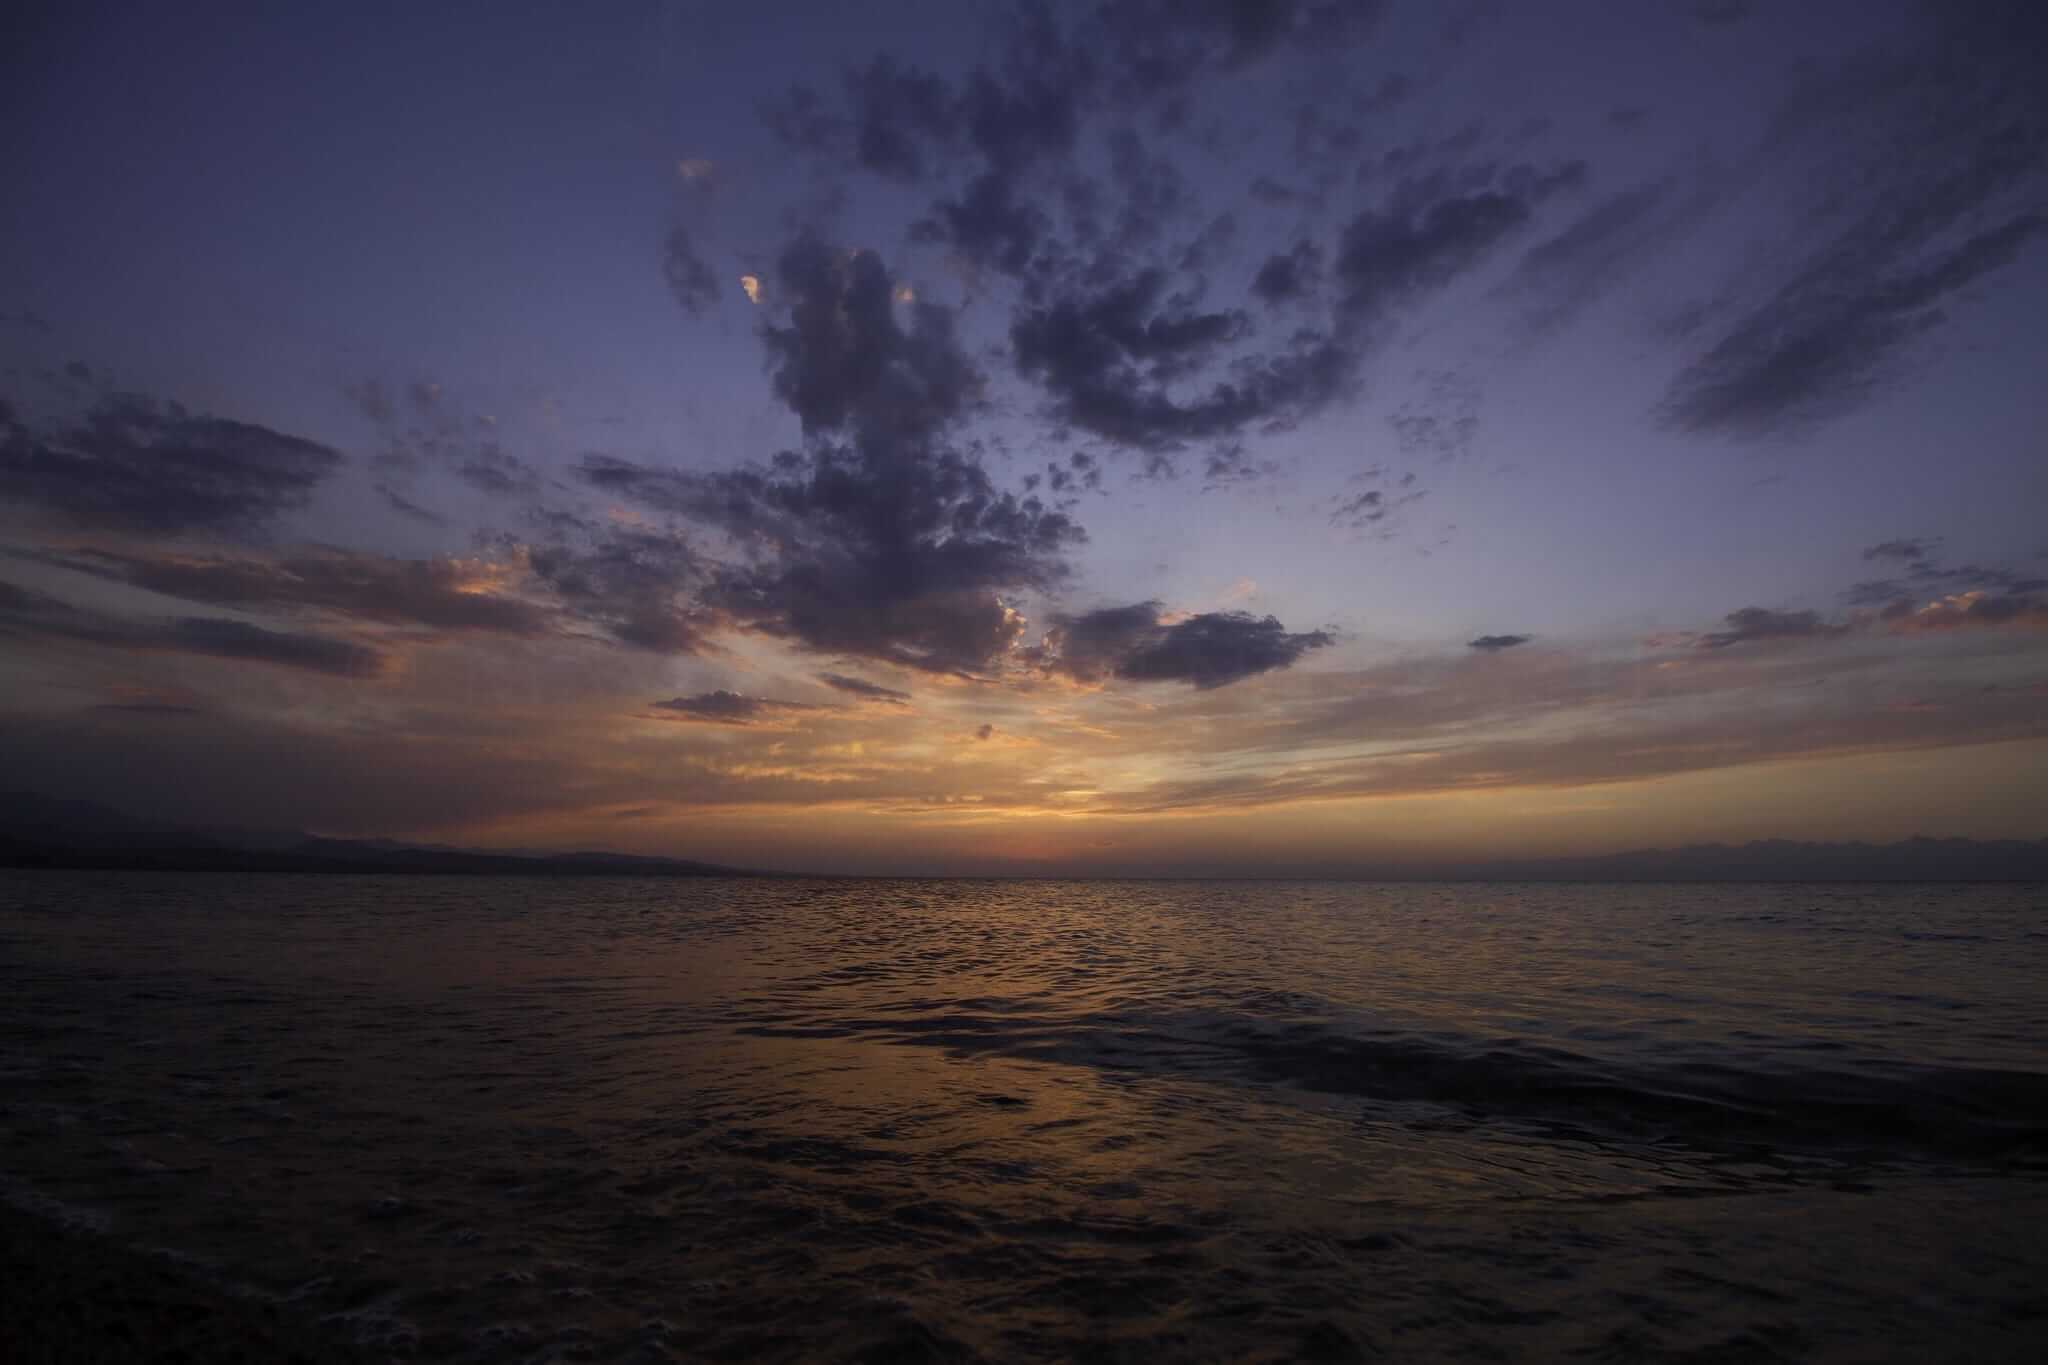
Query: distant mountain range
(1786, 860)
(38, 831)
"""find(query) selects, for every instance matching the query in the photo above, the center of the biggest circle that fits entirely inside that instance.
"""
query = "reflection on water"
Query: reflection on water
(502, 1119)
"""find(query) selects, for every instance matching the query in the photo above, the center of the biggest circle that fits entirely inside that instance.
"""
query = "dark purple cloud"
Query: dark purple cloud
(406, 507)
(1818, 347)
(861, 687)
(139, 466)
(727, 708)
(1135, 643)
(844, 363)
(878, 539)
(690, 279)
(1751, 625)
(1916, 550)
(1290, 275)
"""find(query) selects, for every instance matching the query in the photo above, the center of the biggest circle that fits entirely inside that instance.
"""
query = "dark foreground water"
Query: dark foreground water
(531, 1120)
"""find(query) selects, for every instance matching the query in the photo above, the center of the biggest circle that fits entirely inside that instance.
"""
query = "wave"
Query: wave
(1701, 1099)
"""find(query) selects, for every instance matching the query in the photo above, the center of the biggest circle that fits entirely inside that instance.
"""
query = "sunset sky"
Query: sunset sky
(1184, 435)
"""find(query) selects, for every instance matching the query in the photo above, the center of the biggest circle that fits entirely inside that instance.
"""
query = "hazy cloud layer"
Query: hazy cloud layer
(30, 616)
(1933, 181)
(138, 465)
(631, 582)
(442, 594)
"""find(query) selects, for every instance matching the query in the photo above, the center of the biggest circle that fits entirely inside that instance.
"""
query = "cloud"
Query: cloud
(135, 465)
(405, 506)
(727, 708)
(372, 400)
(1372, 507)
(1120, 354)
(878, 539)
(442, 594)
(1750, 625)
(489, 469)
(1060, 168)
(1965, 611)
(880, 550)
(1819, 346)
(845, 363)
(1218, 648)
(32, 615)
(861, 687)
(421, 427)
(1622, 748)
(1493, 644)
(1927, 168)
(1565, 272)
(1975, 608)
(1140, 363)
(896, 113)
(230, 639)
(1079, 471)
(1442, 422)
(1055, 72)
(1290, 275)
(1109, 356)
(1137, 643)
(1913, 551)
(1967, 584)
(1157, 47)
(1721, 13)
(1430, 234)
(694, 283)
(1100, 388)
(1137, 361)
(629, 581)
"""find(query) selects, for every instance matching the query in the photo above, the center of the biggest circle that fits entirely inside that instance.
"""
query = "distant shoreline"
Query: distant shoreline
(42, 832)
(542, 869)
(407, 865)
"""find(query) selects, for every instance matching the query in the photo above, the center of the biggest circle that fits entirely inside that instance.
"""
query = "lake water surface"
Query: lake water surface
(511, 1119)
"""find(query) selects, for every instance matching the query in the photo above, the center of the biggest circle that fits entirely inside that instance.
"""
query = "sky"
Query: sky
(1203, 436)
